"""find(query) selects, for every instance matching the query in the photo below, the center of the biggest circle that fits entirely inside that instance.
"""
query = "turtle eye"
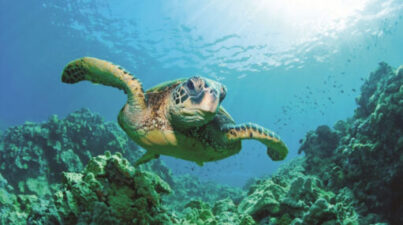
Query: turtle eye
(223, 93)
(190, 85)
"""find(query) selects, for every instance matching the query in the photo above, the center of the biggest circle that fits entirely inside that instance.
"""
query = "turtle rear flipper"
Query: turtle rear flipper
(103, 72)
(276, 149)
(146, 158)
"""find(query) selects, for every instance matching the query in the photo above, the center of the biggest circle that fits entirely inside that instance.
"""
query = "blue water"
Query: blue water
(288, 65)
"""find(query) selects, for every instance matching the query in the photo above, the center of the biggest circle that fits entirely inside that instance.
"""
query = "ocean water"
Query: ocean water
(288, 65)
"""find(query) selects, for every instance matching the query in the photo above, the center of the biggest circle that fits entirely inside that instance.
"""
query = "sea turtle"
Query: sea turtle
(182, 118)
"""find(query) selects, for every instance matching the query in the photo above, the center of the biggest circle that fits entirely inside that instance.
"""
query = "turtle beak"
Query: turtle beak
(210, 102)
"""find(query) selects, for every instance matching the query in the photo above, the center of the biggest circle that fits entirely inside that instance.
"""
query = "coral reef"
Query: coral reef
(365, 152)
(47, 149)
(292, 197)
(108, 191)
(350, 174)
(78, 170)
(34, 155)
(223, 212)
(189, 188)
(44, 155)
(112, 186)
(16, 208)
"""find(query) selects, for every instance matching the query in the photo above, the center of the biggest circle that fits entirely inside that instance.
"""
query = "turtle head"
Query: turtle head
(195, 101)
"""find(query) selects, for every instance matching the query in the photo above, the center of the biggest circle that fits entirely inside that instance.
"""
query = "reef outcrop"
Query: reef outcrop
(111, 191)
(223, 212)
(189, 188)
(291, 196)
(365, 153)
(47, 149)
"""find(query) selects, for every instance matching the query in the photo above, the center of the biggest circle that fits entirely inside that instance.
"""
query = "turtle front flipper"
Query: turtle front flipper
(103, 72)
(276, 149)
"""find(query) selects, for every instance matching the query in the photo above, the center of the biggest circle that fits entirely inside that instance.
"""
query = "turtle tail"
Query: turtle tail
(276, 149)
(106, 73)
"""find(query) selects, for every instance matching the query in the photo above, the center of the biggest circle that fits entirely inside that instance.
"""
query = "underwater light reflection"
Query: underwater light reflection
(308, 16)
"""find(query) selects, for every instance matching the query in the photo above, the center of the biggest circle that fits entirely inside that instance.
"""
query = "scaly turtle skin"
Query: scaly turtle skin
(181, 118)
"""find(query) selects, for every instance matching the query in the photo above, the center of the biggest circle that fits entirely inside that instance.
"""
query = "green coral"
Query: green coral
(223, 212)
(16, 209)
(292, 197)
(186, 188)
(40, 152)
(365, 153)
(127, 195)
(48, 149)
